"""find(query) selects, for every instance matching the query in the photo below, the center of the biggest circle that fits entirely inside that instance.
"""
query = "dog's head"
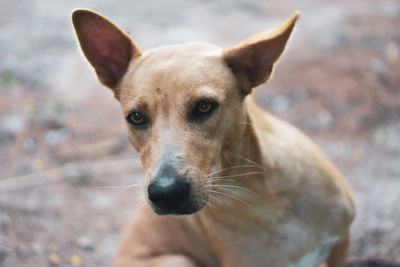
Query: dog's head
(183, 104)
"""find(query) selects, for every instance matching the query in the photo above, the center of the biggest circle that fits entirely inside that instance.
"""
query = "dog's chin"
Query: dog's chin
(186, 209)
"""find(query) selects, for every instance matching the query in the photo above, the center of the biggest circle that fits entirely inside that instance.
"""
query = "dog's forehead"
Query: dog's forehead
(178, 66)
(190, 51)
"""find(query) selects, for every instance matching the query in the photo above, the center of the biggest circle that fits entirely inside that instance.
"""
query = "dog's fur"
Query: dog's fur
(262, 193)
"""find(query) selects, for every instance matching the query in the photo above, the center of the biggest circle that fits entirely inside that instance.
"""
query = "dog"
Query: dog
(248, 189)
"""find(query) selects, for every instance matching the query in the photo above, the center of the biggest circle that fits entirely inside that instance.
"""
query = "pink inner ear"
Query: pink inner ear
(106, 47)
(111, 58)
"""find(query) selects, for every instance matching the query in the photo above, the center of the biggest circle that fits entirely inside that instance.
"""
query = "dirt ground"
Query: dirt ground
(63, 144)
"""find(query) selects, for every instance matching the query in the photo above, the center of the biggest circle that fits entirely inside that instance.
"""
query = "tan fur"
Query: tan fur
(298, 198)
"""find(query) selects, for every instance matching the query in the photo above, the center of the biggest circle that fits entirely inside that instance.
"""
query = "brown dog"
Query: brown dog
(259, 192)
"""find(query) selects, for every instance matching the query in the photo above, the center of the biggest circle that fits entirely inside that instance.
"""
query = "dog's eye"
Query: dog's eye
(203, 109)
(136, 118)
(204, 106)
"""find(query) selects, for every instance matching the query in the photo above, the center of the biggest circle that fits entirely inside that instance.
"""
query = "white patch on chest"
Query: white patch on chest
(315, 257)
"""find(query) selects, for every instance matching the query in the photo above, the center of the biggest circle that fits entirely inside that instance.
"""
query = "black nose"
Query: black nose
(169, 193)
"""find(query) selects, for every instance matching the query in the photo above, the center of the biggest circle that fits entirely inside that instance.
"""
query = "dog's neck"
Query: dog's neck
(246, 150)
(240, 207)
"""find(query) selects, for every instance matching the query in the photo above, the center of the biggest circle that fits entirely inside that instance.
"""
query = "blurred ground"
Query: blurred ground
(63, 142)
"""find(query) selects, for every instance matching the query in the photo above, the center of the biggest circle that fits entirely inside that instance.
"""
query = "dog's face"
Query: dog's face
(183, 104)
(180, 108)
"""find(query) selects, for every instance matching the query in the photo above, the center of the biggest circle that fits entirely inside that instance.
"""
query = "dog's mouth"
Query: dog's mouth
(173, 195)
(187, 208)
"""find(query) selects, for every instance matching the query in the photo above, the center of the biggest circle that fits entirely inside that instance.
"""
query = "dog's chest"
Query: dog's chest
(305, 246)
(287, 243)
(315, 257)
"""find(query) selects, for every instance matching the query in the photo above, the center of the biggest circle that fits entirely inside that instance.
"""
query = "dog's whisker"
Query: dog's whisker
(118, 95)
(212, 197)
(126, 188)
(121, 186)
(138, 203)
(233, 167)
(239, 175)
(124, 89)
(210, 181)
(206, 203)
(209, 205)
(231, 186)
(250, 161)
(122, 194)
(138, 198)
(227, 195)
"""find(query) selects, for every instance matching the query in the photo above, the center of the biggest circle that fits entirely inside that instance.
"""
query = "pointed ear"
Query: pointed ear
(252, 60)
(108, 49)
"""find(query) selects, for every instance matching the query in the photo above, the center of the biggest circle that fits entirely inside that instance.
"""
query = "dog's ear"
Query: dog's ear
(108, 49)
(253, 59)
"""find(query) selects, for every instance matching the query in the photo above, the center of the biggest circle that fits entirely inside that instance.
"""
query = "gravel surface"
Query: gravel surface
(63, 143)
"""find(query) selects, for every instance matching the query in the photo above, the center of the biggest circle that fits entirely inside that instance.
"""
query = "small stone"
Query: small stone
(325, 119)
(392, 52)
(5, 221)
(75, 175)
(75, 260)
(101, 201)
(21, 253)
(3, 255)
(37, 165)
(280, 103)
(54, 259)
(12, 124)
(358, 154)
(379, 137)
(51, 108)
(37, 248)
(29, 145)
(85, 243)
(378, 66)
(55, 137)
(71, 169)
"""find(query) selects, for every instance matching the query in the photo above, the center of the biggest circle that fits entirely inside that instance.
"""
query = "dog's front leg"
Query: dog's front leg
(171, 260)
(152, 240)
(338, 255)
(167, 260)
